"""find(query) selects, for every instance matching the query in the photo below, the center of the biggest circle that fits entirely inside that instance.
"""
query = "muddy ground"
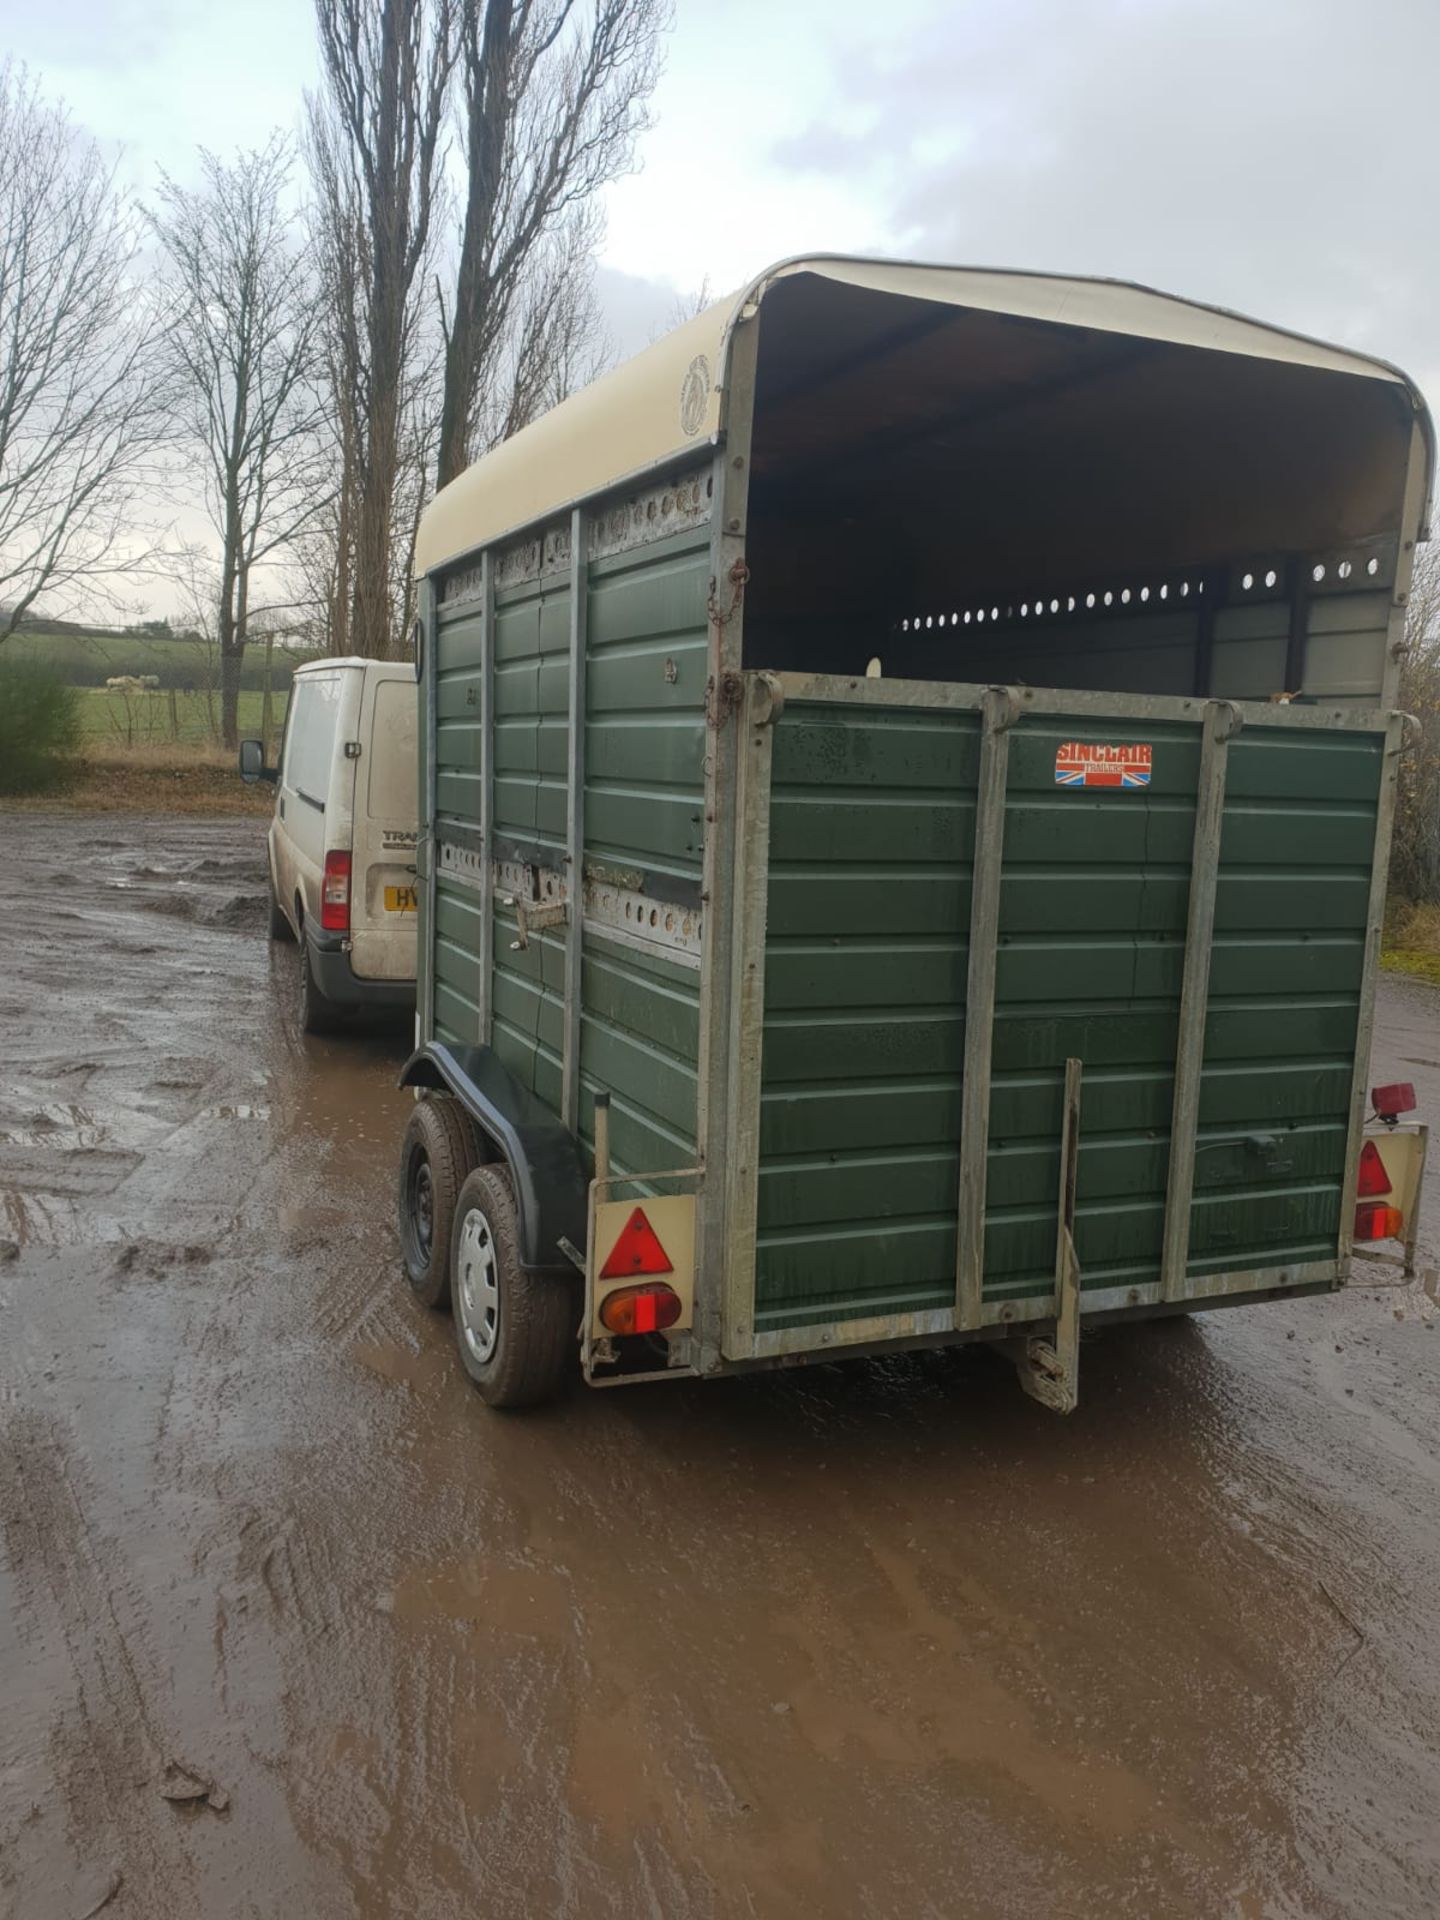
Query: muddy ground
(881, 1640)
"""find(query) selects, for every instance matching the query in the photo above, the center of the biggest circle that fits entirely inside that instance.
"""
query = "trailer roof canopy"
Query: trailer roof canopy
(670, 400)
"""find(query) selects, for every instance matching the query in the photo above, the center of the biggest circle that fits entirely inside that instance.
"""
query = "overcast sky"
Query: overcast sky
(1271, 155)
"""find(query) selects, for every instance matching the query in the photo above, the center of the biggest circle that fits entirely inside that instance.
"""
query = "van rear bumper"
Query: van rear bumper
(339, 982)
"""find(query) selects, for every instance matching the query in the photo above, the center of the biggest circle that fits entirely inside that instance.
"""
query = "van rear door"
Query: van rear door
(310, 809)
(386, 805)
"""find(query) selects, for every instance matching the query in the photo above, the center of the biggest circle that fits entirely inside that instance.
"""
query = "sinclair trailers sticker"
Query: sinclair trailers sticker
(1083, 763)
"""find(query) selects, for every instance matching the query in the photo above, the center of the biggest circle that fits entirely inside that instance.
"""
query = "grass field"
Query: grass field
(148, 719)
(91, 659)
(1412, 943)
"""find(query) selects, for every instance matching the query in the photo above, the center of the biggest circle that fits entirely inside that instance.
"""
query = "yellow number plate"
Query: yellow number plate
(400, 899)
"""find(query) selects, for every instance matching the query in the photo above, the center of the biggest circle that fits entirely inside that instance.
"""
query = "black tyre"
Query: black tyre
(317, 1014)
(436, 1154)
(279, 927)
(515, 1330)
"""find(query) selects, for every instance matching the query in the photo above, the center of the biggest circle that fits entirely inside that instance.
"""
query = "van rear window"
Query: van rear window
(393, 789)
(310, 742)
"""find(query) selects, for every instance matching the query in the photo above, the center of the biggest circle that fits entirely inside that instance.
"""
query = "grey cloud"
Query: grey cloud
(1270, 155)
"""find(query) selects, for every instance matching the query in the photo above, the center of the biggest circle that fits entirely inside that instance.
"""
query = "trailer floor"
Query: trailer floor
(877, 1640)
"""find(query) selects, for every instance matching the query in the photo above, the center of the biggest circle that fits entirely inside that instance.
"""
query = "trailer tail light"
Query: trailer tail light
(638, 1250)
(1373, 1177)
(335, 893)
(1374, 1222)
(1390, 1102)
(648, 1309)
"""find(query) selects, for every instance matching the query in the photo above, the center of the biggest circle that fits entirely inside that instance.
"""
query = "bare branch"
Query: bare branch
(80, 422)
(243, 344)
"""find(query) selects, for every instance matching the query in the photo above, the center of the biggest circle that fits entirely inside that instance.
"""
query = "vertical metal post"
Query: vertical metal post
(998, 713)
(724, 853)
(1295, 646)
(1221, 722)
(741, 1173)
(1395, 741)
(575, 814)
(428, 839)
(487, 792)
(1050, 1369)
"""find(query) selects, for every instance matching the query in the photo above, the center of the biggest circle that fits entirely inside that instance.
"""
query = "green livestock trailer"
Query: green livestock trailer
(906, 779)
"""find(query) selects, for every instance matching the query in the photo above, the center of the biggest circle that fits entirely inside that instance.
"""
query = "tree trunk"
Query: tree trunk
(232, 659)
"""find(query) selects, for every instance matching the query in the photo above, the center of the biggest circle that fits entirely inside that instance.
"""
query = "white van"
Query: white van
(342, 841)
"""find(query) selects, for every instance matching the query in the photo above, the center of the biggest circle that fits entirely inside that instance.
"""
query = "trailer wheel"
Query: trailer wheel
(437, 1152)
(515, 1329)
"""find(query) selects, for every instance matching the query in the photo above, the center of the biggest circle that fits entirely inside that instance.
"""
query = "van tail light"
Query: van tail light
(335, 893)
(638, 1250)
(1374, 1222)
(1373, 1177)
(648, 1309)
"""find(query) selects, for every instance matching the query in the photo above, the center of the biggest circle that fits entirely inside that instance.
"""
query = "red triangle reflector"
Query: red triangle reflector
(638, 1250)
(1373, 1177)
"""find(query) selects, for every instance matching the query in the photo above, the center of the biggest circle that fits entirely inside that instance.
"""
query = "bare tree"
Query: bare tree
(243, 335)
(376, 157)
(1415, 855)
(555, 341)
(79, 413)
(554, 97)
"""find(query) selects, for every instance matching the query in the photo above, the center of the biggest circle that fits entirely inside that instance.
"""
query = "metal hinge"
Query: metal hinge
(533, 917)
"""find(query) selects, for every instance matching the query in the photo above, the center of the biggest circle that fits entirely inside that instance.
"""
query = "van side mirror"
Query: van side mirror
(252, 762)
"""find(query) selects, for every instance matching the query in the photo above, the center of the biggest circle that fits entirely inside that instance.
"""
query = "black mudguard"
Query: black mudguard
(546, 1165)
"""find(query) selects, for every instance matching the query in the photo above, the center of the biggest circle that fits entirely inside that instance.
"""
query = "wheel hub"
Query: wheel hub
(477, 1287)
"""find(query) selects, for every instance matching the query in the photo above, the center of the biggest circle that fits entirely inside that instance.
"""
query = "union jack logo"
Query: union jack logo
(1084, 763)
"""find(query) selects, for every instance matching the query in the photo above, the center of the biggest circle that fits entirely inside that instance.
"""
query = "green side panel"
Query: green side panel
(646, 672)
(865, 985)
(872, 831)
(456, 652)
(1295, 865)
(645, 683)
(646, 669)
(640, 1041)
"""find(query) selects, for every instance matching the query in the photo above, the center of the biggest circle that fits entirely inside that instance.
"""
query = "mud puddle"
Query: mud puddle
(872, 1640)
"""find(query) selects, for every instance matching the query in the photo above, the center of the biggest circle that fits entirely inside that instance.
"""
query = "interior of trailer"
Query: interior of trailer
(940, 492)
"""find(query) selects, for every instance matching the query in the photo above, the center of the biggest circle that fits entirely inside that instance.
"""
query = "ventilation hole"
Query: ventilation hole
(1070, 604)
(994, 613)
(929, 620)
(1109, 599)
(1372, 567)
(1089, 599)
(654, 917)
(1144, 593)
(954, 619)
(1024, 609)
(669, 923)
(967, 619)
(980, 618)
(1165, 592)
(1125, 597)
(1344, 570)
(1248, 582)
(1199, 586)
(1054, 606)
(904, 626)
(1271, 577)
(1184, 587)
(1317, 572)
(629, 909)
